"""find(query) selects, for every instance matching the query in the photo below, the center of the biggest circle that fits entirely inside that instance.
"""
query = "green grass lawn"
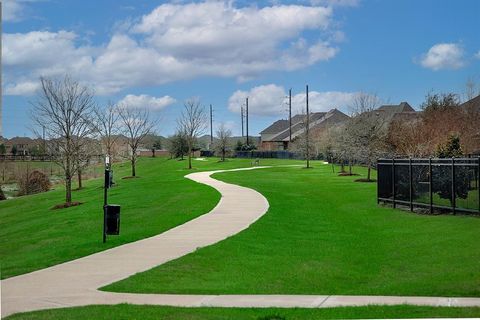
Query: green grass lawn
(125, 311)
(32, 236)
(325, 234)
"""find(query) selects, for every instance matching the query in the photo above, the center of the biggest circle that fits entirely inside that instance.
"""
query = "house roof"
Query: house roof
(276, 127)
(20, 141)
(475, 102)
(392, 109)
(316, 119)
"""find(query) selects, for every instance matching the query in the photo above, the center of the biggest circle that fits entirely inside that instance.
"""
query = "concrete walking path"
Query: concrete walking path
(75, 283)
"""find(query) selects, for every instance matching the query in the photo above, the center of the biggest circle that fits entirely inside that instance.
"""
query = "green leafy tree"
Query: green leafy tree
(442, 174)
(14, 149)
(178, 145)
(3, 149)
(157, 144)
(452, 148)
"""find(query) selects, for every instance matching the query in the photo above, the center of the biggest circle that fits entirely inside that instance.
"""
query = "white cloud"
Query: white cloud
(22, 88)
(444, 56)
(335, 3)
(477, 55)
(146, 101)
(12, 10)
(27, 56)
(263, 100)
(178, 42)
(271, 99)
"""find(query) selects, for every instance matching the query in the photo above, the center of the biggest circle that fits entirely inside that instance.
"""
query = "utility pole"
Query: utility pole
(1, 79)
(211, 126)
(290, 113)
(247, 120)
(307, 138)
(241, 114)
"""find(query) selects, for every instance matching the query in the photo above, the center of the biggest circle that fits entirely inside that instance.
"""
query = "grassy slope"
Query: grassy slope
(169, 313)
(33, 237)
(325, 234)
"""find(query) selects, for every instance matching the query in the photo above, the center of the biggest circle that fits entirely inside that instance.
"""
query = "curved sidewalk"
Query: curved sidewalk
(75, 283)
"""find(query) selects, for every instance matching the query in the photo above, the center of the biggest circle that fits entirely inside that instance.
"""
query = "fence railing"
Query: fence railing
(22, 157)
(269, 154)
(434, 184)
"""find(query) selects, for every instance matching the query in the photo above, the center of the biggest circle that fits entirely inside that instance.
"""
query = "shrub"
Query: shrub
(33, 182)
(2, 195)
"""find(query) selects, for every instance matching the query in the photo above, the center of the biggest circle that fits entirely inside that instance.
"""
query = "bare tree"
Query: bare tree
(107, 126)
(302, 143)
(471, 89)
(192, 122)
(367, 129)
(137, 124)
(64, 108)
(223, 142)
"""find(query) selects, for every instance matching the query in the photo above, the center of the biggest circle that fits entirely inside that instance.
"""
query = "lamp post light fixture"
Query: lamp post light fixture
(111, 213)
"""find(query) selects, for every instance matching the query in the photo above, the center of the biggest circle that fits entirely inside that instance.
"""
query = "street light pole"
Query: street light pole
(105, 196)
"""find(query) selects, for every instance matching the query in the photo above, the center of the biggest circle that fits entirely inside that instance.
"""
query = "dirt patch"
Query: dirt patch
(345, 174)
(67, 205)
(365, 180)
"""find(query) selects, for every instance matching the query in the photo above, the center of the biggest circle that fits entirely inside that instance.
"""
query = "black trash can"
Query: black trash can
(113, 219)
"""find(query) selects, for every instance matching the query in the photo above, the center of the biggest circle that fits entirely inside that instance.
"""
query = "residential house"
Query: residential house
(22, 145)
(278, 136)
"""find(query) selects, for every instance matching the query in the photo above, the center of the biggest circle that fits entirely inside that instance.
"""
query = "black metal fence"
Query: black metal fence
(434, 184)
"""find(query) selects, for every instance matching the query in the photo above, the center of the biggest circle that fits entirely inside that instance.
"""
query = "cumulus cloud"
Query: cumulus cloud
(444, 56)
(12, 10)
(271, 99)
(146, 101)
(178, 42)
(22, 88)
(27, 56)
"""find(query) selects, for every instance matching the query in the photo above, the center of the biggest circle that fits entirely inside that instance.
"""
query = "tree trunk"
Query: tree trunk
(190, 159)
(68, 180)
(368, 173)
(350, 166)
(223, 155)
(68, 188)
(133, 167)
(79, 175)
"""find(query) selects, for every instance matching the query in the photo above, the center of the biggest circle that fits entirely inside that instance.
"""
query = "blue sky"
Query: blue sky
(157, 54)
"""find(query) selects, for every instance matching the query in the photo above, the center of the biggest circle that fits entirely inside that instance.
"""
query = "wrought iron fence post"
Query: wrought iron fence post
(453, 185)
(430, 184)
(393, 182)
(378, 183)
(411, 182)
